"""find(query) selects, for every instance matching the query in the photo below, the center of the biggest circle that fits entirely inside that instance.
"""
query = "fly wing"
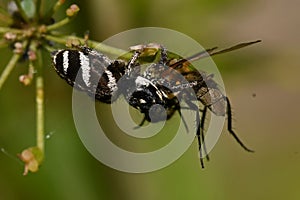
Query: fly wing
(210, 52)
(206, 88)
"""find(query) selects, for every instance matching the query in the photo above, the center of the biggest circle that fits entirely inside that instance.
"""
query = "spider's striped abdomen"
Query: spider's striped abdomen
(88, 70)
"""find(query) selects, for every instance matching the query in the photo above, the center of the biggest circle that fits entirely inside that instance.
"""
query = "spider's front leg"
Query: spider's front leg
(150, 48)
(133, 60)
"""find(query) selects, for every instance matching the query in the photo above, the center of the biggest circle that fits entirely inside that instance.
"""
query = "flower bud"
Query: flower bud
(72, 10)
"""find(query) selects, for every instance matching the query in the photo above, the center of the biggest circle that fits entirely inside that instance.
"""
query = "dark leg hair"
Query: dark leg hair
(229, 126)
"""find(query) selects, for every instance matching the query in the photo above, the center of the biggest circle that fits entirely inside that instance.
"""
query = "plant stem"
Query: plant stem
(40, 110)
(38, 9)
(6, 29)
(96, 45)
(12, 63)
(21, 10)
(53, 9)
(59, 24)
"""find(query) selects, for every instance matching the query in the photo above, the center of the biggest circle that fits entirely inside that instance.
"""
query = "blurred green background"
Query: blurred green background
(268, 122)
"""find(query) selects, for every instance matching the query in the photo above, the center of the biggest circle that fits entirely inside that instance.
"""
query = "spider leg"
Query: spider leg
(163, 55)
(133, 60)
(229, 126)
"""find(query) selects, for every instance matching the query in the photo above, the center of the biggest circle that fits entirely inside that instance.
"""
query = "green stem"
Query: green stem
(59, 24)
(12, 30)
(57, 5)
(40, 112)
(53, 9)
(96, 45)
(21, 10)
(38, 9)
(40, 133)
(12, 63)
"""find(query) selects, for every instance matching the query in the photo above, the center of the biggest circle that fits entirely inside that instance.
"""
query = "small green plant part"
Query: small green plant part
(30, 30)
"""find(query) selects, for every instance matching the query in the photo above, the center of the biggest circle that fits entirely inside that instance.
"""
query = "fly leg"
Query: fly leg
(141, 123)
(229, 126)
(201, 131)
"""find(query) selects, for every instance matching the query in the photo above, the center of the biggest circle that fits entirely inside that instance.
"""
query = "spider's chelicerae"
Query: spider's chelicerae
(157, 91)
